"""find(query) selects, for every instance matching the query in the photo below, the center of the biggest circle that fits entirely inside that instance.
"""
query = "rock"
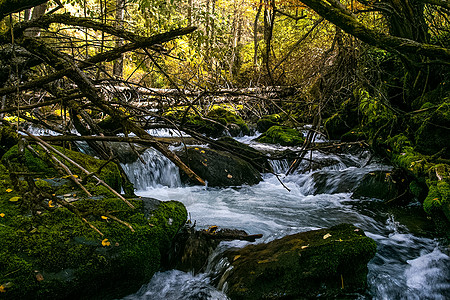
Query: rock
(258, 159)
(234, 123)
(384, 185)
(215, 123)
(268, 121)
(192, 248)
(284, 136)
(321, 263)
(55, 255)
(41, 167)
(219, 168)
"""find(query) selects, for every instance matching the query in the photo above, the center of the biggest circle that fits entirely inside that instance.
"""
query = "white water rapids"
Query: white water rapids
(408, 264)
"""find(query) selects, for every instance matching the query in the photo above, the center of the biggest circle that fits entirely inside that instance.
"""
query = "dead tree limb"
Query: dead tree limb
(100, 181)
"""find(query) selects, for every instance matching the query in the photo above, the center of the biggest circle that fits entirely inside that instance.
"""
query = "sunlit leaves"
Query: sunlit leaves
(14, 199)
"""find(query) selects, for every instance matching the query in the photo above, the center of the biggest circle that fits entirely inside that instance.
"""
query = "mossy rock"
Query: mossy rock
(438, 198)
(8, 138)
(55, 255)
(234, 123)
(215, 123)
(257, 159)
(385, 186)
(219, 168)
(327, 262)
(263, 124)
(41, 167)
(283, 136)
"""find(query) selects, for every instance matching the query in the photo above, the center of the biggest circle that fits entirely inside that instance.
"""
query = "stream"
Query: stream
(409, 263)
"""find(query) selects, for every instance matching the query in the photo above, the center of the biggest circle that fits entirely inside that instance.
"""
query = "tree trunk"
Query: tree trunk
(38, 12)
(255, 35)
(118, 63)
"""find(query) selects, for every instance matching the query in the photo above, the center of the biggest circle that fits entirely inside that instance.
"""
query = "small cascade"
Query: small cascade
(156, 171)
(279, 166)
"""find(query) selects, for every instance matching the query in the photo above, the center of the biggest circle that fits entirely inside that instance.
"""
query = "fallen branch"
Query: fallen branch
(100, 181)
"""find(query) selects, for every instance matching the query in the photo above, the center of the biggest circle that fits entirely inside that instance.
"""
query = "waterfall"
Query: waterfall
(157, 170)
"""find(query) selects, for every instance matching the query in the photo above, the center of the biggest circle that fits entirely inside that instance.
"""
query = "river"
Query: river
(409, 263)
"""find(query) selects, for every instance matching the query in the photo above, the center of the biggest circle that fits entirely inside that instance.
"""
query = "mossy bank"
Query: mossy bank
(70, 246)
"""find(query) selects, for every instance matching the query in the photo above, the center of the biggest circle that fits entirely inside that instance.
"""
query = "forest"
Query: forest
(142, 140)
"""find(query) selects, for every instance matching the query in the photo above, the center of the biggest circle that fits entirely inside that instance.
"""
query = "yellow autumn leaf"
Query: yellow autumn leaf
(104, 217)
(9, 190)
(435, 199)
(50, 203)
(14, 199)
(196, 148)
(2, 215)
(105, 243)
(326, 236)
(2, 289)
(203, 151)
(304, 247)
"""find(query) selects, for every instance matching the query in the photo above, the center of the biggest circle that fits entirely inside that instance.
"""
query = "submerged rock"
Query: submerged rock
(219, 168)
(320, 263)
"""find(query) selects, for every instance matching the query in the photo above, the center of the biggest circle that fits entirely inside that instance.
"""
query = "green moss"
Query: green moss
(70, 255)
(223, 119)
(438, 198)
(268, 121)
(8, 138)
(282, 135)
(41, 167)
(301, 265)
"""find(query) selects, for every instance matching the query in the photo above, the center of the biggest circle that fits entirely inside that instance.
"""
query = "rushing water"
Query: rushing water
(408, 264)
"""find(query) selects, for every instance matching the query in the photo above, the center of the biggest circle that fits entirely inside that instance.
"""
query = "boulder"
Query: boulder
(219, 168)
(55, 254)
(384, 185)
(268, 121)
(234, 123)
(192, 248)
(37, 164)
(214, 124)
(320, 263)
(284, 136)
(257, 159)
